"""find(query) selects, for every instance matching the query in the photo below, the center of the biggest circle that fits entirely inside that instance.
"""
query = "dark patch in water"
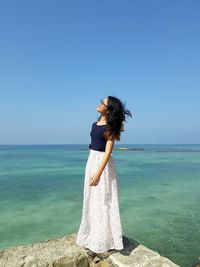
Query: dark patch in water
(151, 198)
(165, 184)
(73, 199)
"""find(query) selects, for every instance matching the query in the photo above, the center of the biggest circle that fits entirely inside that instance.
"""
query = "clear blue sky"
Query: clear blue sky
(59, 58)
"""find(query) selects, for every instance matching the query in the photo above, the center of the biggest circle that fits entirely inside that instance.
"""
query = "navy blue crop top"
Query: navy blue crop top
(98, 142)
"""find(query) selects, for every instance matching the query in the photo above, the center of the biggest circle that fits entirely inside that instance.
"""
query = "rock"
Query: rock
(30, 261)
(64, 252)
(102, 263)
(141, 257)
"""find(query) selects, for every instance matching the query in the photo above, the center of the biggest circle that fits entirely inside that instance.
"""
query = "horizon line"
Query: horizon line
(88, 144)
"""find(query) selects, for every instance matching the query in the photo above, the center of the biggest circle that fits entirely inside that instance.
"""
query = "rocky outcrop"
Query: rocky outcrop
(63, 252)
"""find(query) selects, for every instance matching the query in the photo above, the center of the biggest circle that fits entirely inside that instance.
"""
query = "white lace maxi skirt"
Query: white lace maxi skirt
(100, 229)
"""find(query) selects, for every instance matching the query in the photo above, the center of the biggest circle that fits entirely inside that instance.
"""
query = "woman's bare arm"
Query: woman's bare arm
(108, 151)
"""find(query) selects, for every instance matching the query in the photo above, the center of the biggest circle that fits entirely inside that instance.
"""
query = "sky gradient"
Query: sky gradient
(59, 58)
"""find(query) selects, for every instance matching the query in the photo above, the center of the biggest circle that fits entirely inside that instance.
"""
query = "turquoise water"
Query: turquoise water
(41, 192)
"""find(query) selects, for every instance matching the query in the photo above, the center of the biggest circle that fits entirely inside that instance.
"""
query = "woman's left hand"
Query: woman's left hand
(94, 180)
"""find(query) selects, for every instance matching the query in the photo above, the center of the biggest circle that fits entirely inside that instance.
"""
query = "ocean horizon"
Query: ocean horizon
(41, 194)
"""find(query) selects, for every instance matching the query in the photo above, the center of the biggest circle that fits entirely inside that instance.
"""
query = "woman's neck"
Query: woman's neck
(103, 119)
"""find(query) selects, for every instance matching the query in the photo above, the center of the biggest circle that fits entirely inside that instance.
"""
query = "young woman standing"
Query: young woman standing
(100, 229)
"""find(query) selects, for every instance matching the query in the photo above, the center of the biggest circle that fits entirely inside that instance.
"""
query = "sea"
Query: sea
(41, 195)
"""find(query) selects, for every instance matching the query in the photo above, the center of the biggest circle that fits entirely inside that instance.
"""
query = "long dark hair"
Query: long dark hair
(116, 118)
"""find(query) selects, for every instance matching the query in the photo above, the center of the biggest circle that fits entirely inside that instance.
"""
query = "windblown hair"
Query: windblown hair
(116, 118)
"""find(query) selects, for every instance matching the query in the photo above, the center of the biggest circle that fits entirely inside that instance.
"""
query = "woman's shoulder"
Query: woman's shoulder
(93, 124)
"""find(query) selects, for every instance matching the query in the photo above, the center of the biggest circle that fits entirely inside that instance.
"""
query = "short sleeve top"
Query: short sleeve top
(98, 142)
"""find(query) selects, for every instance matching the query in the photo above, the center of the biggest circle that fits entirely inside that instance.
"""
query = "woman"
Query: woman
(100, 229)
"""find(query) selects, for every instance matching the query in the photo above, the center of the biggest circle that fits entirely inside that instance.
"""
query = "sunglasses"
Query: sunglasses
(102, 103)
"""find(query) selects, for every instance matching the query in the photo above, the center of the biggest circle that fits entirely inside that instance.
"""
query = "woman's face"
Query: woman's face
(102, 107)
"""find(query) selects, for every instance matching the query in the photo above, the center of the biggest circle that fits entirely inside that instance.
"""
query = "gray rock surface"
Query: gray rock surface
(63, 252)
